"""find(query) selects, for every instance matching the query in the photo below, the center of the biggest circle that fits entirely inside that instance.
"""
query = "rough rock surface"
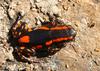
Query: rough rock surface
(81, 55)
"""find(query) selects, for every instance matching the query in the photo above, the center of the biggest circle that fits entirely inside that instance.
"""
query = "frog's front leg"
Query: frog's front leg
(19, 28)
(24, 54)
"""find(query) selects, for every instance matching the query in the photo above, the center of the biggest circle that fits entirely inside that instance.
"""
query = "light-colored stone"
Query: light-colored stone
(38, 0)
(55, 10)
(12, 67)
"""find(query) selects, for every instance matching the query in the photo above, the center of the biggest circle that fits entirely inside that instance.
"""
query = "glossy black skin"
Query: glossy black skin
(41, 36)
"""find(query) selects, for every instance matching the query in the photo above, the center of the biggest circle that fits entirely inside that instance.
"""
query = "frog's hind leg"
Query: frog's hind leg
(18, 55)
(21, 54)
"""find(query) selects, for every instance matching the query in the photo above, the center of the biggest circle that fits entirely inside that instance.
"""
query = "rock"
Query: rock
(38, 0)
(59, 0)
(12, 67)
(16, 7)
(11, 13)
(48, 6)
(2, 14)
(2, 57)
(9, 54)
(32, 4)
(55, 10)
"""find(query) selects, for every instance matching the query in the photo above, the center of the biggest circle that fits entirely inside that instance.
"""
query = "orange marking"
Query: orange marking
(39, 46)
(48, 43)
(43, 28)
(22, 47)
(30, 29)
(60, 28)
(62, 39)
(24, 39)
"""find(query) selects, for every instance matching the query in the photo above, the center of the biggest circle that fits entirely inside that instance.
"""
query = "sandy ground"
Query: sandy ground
(83, 54)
